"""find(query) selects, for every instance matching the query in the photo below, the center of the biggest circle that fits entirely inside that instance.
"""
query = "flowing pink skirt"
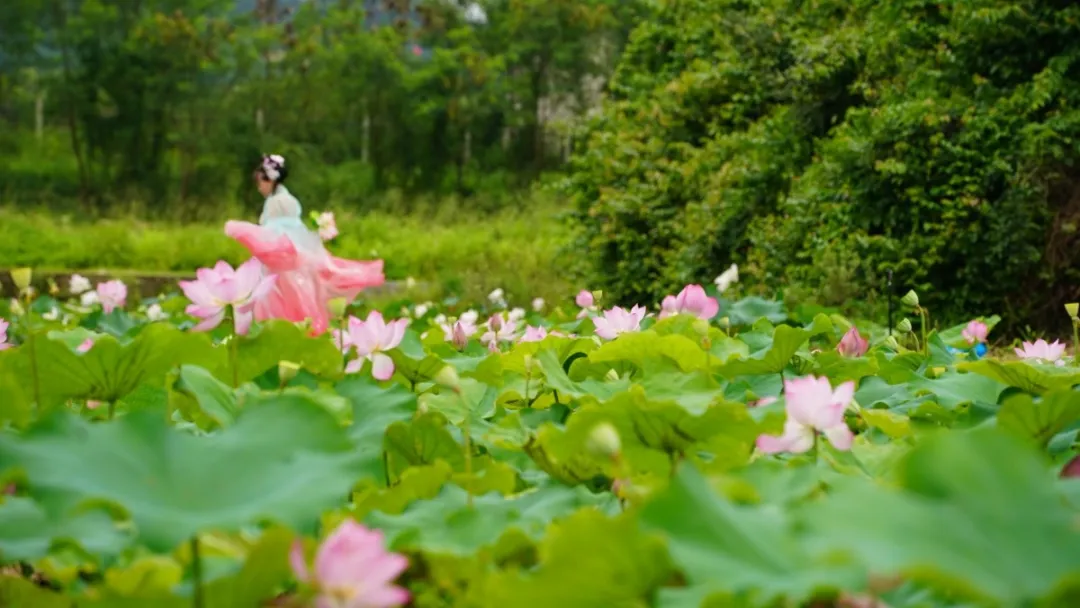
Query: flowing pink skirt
(308, 277)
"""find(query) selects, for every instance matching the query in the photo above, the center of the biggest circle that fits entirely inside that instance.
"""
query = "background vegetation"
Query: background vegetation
(169, 101)
(821, 144)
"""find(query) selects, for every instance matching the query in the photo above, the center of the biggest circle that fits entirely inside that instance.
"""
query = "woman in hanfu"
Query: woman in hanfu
(308, 277)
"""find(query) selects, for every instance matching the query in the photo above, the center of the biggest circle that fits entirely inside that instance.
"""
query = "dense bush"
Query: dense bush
(820, 144)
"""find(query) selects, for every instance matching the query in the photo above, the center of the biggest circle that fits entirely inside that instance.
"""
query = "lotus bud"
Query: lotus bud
(448, 378)
(725, 322)
(611, 376)
(890, 342)
(337, 307)
(701, 327)
(287, 370)
(904, 326)
(495, 323)
(22, 277)
(604, 440)
(1073, 308)
(910, 299)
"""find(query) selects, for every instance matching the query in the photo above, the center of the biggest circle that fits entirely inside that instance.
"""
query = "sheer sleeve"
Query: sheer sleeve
(280, 205)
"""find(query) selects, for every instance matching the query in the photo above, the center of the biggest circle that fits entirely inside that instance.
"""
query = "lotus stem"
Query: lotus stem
(196, 574)
(233, 356)
(1076, 341)
(468, 449)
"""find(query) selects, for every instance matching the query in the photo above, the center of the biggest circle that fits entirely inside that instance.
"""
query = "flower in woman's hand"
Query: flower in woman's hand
(216, 289)
(618, 321)
(373, 338)
(352, 569)
(812, 407)
(112, 295)
(327, 226)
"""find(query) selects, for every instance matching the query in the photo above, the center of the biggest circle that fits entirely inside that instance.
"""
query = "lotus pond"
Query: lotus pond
(712, 452)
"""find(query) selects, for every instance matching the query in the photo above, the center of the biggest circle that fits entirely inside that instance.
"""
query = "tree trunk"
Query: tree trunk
(73, 124)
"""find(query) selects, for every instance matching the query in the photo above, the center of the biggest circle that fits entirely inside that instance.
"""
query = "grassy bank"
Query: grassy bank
(457, 250)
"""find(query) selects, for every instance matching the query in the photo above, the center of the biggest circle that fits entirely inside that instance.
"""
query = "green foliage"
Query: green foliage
(571, 470)
(170, 101)
(819, 145)
(456, 250)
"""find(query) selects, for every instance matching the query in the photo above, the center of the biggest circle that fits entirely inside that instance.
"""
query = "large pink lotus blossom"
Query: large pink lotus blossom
(112, 295)
(1042, 352)
(618, 321)
(373, 338)
(852, 344)
(352, 569)
(327, 226)
(691, 301)
(812, 407)
(215, 289)
(975, 332)
(4, 344)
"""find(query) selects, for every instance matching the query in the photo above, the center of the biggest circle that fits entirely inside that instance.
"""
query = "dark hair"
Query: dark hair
(272, 168)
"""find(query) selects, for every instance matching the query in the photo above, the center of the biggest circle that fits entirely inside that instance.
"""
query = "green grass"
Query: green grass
(456, 250)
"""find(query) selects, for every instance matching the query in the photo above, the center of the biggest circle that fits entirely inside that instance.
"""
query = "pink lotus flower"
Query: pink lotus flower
(352, 569)
(585, 299)
(459, 333)
(500, 328)
(812, 407)
(112, 295)
(220, 287)
(86, 345)
(341, 339)
(852, 344)
(534, 334)
(372, 338)
(1042, 352)
(975, 332)
(4, 344)
(327, 226)
(692, 301)
(618, 321)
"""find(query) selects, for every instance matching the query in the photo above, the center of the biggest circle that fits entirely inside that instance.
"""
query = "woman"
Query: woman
(308, 277)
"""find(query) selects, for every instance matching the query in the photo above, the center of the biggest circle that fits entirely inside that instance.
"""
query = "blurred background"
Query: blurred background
(541, 146)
